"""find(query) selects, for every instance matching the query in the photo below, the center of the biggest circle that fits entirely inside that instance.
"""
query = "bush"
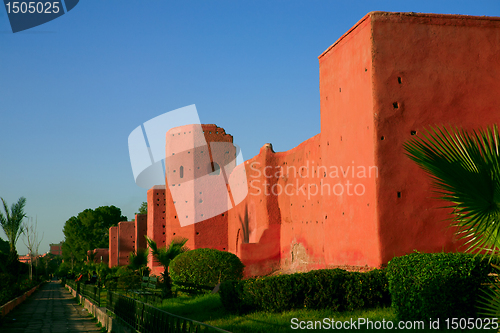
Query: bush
(205, 268)
(436, 285)
(334, 289)
(234, 298)
(12, 286)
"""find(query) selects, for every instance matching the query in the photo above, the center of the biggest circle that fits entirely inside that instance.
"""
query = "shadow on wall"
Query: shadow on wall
(263, 257)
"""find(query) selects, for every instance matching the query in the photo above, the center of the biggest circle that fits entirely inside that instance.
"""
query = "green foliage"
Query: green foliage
(12, 221)
(490, 298)
(321, 289)
(164, 256)
(465, 170)
(138, 261)
(89, 230)
(12, 286)
(205, 268)
(143, 209)
(4, 246)
(436, 285)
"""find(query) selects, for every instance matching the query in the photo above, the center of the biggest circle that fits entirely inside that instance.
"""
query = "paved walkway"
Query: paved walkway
(51, 309)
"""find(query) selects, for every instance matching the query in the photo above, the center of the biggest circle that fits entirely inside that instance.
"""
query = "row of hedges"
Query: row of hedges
(419, 286)
(437, 285)
(333, 289)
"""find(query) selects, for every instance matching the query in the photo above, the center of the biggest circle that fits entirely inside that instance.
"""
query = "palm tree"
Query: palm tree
(138, 261)
(465, 171)
(12, 221)
(164, 255)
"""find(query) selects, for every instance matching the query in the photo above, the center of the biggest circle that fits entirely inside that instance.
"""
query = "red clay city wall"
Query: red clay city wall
(156, 222)
(347, 134)
(99, 255)
(427, 69)
(141, 230)
(113, 246)
(349, 195)
(126, 241)
(124, 238)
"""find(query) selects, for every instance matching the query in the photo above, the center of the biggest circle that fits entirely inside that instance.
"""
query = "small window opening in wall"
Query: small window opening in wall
(399, 80)
(340, 89)
(197, 233)
(413, 132)
(399, 194)
(224, 248)
(181, 172)
(341, 138)
(382, 138)
(395, 105)
(366, 69)
(210, 132)
(174, 233)
(175, 216)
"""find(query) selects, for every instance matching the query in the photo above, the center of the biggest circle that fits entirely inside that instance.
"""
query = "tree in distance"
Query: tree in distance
(87, 231)
(143, 209)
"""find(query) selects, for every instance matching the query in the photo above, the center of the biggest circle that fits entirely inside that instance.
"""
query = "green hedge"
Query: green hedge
(321, 289)
(203, 269)
(436, 285)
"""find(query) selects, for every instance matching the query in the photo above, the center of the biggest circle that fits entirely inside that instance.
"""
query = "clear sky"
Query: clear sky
(73, 89)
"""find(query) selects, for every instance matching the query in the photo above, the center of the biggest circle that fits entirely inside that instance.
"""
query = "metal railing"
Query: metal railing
(89, 291)
(145, 318)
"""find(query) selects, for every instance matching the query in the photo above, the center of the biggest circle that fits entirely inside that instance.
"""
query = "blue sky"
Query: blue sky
(73, 89)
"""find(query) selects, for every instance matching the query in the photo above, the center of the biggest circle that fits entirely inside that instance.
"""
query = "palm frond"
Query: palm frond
(465, 171)
(12, 221)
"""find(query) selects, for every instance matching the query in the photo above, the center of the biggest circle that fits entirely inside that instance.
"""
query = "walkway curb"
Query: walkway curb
(101, 314)
(11, 305)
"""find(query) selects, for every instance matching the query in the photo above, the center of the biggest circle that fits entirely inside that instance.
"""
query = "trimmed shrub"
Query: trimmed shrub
(277, 293)
(334, 289)
(205, 268)
(436, 285)
(234, 298)
(325, 289)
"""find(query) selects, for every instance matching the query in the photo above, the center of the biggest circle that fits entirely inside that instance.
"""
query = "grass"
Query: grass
(208, 309)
